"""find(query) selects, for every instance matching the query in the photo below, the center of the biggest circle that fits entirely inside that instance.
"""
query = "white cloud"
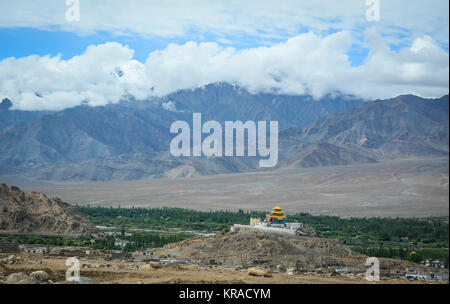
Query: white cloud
(259, 19)
(169, 106)
(50, 83)
(305, 64)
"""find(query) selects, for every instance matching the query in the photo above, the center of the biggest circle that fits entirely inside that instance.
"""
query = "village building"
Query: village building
(35, 250)
(147, 253)
(121, 243)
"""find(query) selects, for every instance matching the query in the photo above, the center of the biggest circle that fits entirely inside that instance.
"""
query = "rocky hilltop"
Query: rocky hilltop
(34, 213)
(250, 248)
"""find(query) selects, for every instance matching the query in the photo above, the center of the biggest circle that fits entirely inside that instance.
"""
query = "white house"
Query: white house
(35, 250)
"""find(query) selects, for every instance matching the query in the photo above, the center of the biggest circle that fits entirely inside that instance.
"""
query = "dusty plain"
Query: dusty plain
(414, 187)
(120, 272)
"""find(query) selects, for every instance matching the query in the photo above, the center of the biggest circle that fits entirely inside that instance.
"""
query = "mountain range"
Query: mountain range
(130, 140)
(405, 126)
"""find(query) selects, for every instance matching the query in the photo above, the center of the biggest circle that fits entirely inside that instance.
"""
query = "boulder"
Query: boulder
(291, 270)
(281, 268)
(259, 272)
(145, 267)
(40, 275)
(9, 260)
(155, 265)
(16, 277)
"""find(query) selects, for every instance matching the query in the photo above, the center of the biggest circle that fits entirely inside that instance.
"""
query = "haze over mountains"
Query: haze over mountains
(130, 140)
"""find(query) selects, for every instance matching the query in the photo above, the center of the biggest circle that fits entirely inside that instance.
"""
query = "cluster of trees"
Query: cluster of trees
(380, 237)
(163, 218)
(41, 240)
(432, 231)
(151, 240)
(137, 241)
(406, 254)
(425, 230)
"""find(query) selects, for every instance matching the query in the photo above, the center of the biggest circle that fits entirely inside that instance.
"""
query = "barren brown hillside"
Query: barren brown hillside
(34, 213)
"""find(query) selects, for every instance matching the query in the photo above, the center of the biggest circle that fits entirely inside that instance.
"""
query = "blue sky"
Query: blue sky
(29, 41)
(313, 46)
(23, 41)
(51, 34)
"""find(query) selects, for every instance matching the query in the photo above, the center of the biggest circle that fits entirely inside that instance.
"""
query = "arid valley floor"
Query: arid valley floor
(116, 272)
(405, 188)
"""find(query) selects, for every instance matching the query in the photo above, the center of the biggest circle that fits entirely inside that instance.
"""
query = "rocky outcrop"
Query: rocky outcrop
(258, 272)
(34, 213)
(271, 250)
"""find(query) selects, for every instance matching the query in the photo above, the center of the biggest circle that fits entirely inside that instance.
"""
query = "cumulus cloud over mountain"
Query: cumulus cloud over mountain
(309, 63)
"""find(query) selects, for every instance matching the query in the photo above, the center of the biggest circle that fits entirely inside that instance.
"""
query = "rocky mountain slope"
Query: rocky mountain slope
(130, 140)
(34, 213)
(399, 127)
(223, 101)
(10, 117)
(324, 154)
